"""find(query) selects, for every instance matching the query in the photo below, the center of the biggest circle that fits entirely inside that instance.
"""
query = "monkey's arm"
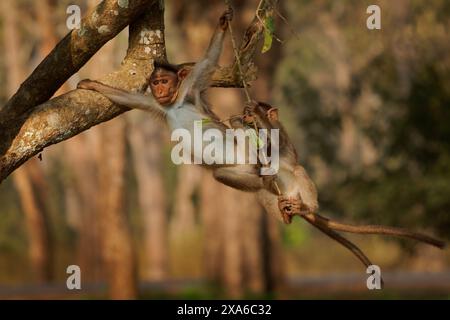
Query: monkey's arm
(200, 76)
(124, 98)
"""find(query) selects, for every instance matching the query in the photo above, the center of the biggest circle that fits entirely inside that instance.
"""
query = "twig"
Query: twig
(291, 29)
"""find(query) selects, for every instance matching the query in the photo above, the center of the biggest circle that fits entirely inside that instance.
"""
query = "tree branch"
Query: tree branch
(31, 129)
(229, 76)
(71, 53)
(76, 111)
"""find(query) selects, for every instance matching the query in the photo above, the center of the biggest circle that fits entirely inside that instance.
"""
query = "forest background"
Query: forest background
(369, 113)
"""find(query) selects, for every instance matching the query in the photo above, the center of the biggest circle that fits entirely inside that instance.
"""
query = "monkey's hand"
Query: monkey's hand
(249, 112)
(225, 18)
(88, 84)
(289, 206)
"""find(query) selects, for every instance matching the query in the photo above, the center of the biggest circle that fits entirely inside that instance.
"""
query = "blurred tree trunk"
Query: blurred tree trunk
(212, 224)
(188, 180)
(40, 250)
(232, 203)
(29, 179)
(147, 143)
(82, 154)
(117, 246)
(116, 243)
(44, 10)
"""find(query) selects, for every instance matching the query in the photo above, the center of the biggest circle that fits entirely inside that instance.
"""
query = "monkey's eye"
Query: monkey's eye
(155, 83)
(164, 81)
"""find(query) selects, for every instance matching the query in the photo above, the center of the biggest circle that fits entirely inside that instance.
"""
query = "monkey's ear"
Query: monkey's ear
(183, 73)
(272, 114)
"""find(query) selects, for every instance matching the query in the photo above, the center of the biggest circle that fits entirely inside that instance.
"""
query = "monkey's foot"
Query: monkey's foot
(289, 206)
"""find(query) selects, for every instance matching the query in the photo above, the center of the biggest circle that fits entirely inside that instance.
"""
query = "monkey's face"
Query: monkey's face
(164, 86)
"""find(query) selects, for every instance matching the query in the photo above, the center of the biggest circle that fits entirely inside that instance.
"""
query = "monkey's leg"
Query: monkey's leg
(242, 177)
(269, 182)
(306, 188)
(270, 203)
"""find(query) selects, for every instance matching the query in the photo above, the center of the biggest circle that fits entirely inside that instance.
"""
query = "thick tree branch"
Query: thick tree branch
(68, 115)
(71, 53)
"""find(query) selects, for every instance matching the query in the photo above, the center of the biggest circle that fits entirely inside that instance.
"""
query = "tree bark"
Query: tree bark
(71, 53)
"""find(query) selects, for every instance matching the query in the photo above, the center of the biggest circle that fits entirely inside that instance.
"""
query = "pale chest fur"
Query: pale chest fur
(183, 116)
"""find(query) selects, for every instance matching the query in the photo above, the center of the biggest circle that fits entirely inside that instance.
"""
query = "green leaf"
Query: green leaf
(255, 139)
(268, 34)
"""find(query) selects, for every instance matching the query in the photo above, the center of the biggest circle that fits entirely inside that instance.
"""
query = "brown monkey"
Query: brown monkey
(299, 194)
(177, 98)
(294, 192)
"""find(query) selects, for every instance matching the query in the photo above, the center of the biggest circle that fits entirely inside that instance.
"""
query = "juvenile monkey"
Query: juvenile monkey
(299, 194)
(290, 190)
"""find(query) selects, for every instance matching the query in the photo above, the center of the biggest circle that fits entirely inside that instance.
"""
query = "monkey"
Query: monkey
(295, 193)
(298, 191)
(177, 98)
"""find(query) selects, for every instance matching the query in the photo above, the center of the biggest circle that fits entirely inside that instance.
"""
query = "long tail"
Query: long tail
(342, 240)
(372, 229)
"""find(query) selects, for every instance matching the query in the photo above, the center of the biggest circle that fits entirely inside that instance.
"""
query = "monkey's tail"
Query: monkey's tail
(342, 240)
(373, 229)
